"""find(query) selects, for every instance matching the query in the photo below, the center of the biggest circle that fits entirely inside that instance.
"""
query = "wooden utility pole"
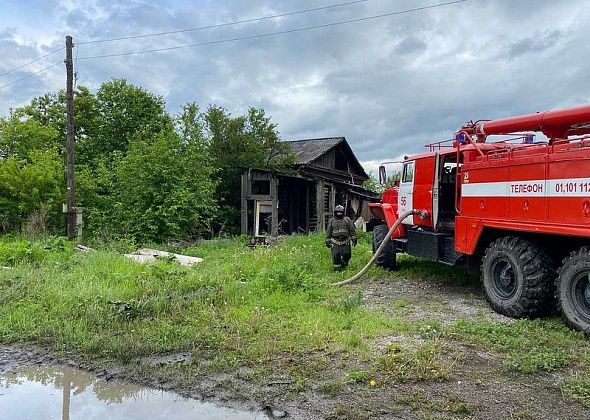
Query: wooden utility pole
(71, 183)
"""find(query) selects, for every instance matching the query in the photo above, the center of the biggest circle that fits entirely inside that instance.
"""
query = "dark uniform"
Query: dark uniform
(339, 235)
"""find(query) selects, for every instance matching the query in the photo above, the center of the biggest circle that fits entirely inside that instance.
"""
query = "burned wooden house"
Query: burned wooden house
(326, 173)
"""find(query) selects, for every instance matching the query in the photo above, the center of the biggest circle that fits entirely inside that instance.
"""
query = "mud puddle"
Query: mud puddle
(61, 392)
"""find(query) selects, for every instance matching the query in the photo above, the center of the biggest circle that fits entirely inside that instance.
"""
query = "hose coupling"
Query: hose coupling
(422, 214)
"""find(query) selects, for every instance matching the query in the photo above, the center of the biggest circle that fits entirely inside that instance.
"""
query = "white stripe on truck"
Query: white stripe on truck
(566, 187)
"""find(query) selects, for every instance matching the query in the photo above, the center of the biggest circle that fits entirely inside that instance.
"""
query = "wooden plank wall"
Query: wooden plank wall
(244, 204)
(319, 205)
(274, 193)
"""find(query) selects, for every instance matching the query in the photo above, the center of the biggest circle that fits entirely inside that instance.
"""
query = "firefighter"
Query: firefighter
(339, 235)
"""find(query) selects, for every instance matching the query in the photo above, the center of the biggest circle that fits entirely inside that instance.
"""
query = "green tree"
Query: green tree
(32, 183)
(161, 186)
(238, 142)
(105, 122)
(164, 189)
(49, 111)
(190, 125)
(31, 187)
(96, 190)
(272, 152)
(20, 136)
(124, 111)
(373, 184)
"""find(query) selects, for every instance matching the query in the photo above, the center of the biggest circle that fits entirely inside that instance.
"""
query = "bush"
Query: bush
(12, 253)
(29, 187)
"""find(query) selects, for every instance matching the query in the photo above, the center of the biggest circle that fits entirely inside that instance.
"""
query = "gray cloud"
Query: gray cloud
(410, 45)
(534, 44)
(389, 85)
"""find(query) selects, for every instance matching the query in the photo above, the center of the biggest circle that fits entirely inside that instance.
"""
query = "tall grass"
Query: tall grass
(251, 303)
(243, 306)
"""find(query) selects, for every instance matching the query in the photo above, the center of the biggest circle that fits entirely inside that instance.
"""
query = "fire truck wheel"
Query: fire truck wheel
(517, 277)
(387, 259)
(573, 289)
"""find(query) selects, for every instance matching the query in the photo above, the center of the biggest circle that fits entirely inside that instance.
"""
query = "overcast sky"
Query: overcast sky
(389, 85)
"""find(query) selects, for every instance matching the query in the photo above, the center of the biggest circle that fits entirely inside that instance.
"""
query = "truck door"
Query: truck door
(435, 191)
(406, 192)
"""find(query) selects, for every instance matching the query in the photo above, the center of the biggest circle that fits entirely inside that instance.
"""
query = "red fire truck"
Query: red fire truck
(516, 209)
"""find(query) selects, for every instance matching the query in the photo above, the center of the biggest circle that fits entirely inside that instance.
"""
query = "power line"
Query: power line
(219, 25)
(176, 32)
(31, 62)
(31, 75)
(249, 37)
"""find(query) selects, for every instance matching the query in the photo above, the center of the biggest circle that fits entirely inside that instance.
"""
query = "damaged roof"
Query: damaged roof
(309, 150)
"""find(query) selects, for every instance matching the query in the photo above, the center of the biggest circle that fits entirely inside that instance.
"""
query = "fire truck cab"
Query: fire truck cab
(515, 209)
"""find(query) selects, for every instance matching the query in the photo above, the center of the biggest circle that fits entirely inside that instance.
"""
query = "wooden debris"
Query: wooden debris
(82, 248)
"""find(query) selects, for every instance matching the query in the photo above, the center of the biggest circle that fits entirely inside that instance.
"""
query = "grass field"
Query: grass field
(270, 309)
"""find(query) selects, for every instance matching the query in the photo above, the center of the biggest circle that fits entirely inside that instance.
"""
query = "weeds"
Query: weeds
(577, 388)
(348, 304)
(332, 388)
(129, 310)
(358, 376)
(530, 345)
(430, 360)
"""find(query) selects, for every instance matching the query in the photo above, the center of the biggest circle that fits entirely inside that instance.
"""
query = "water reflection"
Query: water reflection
(62, 392)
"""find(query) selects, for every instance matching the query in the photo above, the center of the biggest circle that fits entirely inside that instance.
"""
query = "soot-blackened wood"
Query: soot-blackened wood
(244, 203)
(307, 208)
(319, 205)
(274, 192)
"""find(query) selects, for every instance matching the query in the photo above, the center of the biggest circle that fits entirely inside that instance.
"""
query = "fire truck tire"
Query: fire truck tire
(572, 290)
(517, 277)
(387, 259)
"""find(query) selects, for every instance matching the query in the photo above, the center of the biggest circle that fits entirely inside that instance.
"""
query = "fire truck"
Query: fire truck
(502, 202)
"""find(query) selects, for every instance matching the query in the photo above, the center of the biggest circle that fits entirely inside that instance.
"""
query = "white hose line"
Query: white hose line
(379, 250)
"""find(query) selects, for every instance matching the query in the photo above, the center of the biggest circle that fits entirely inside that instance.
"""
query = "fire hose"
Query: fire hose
(380, 249)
